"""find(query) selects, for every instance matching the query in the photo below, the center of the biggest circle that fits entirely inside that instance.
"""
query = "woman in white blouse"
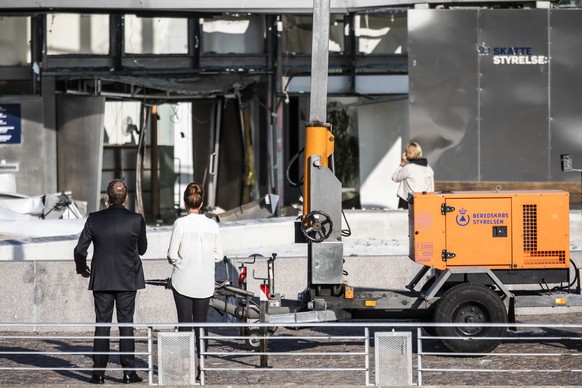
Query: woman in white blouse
(414, 174)
(195, 247)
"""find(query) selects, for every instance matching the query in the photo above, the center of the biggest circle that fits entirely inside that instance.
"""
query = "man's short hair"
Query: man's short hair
(117, 192)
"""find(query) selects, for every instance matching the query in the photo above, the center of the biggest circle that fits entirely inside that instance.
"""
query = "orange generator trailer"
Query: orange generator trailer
(490, 253)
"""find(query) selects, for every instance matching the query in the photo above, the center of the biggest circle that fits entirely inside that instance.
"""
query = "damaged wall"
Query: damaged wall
(27, 152)
(80, 141)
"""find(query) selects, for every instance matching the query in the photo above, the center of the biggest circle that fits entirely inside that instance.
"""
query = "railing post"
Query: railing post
(263, 344)
(150, 356)
(202, 354)
(419, 355)
(367, 351)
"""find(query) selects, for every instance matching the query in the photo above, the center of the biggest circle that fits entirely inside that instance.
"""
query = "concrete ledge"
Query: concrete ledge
(374, 233)
(383, 232)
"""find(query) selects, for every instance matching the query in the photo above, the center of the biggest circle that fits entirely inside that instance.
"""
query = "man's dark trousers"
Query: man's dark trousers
(124, 301)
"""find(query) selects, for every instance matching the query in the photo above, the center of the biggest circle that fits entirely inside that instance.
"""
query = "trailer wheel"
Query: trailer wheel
(253, 342)
(470, 303)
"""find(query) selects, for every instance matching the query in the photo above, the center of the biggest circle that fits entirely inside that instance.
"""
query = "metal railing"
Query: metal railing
(341, 350)
(17, 332)
(526, 353)
(37, 346)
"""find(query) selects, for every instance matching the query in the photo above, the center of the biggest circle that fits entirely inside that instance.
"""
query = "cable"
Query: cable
(573, 280)
(291, 161)
(346, 232)
(295, 184)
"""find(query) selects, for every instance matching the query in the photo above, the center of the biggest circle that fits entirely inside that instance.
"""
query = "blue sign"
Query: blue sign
(10, 127)
(513, 55)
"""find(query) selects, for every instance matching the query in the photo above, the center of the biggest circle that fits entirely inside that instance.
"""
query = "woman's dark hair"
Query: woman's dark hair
(193, 195)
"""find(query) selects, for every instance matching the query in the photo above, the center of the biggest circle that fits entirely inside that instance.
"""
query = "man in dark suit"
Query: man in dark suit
(119, 238)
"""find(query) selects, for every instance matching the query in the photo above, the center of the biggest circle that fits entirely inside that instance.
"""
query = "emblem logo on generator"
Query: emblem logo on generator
(463, 218)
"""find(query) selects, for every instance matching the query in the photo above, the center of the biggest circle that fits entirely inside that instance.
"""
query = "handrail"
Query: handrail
(356, 344)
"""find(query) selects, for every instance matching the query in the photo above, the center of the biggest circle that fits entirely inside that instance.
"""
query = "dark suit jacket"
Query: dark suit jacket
(119, 238)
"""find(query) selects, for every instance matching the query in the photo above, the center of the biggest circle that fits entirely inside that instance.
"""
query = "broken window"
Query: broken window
(298, 38)
(156, 35)
(233, 34)
(14, 41)
(384, 33)
(77, 34)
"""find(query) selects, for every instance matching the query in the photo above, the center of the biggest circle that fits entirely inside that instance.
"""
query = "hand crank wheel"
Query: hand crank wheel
(316, 226)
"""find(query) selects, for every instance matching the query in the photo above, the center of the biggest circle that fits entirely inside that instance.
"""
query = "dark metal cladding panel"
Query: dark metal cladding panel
(443, 74)
(566, 91)
(514, 125)
(325, 196)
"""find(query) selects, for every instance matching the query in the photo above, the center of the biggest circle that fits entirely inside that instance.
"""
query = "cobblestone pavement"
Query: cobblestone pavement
(560, 368)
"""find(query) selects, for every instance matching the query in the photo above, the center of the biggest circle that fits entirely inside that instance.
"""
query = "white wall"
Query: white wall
(383, 128)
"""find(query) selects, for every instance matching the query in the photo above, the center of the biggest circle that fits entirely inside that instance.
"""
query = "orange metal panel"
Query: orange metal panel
(427, 230)
(543, 237)
(478, 232)
(319, 141)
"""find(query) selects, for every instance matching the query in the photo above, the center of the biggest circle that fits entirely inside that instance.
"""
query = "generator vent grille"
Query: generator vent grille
(176, 360)
(530, 241)
(530, 228)
(393, 358)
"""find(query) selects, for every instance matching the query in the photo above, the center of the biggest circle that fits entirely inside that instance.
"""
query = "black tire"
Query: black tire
(431, 330)
(470, 303)
(424, 289)
(427, 285)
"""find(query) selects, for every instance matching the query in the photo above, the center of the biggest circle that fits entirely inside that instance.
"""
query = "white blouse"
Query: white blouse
(195, 247)
(413, 178)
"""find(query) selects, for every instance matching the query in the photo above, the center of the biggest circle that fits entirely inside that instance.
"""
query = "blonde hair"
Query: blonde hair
(413, 151)
(193, 195)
